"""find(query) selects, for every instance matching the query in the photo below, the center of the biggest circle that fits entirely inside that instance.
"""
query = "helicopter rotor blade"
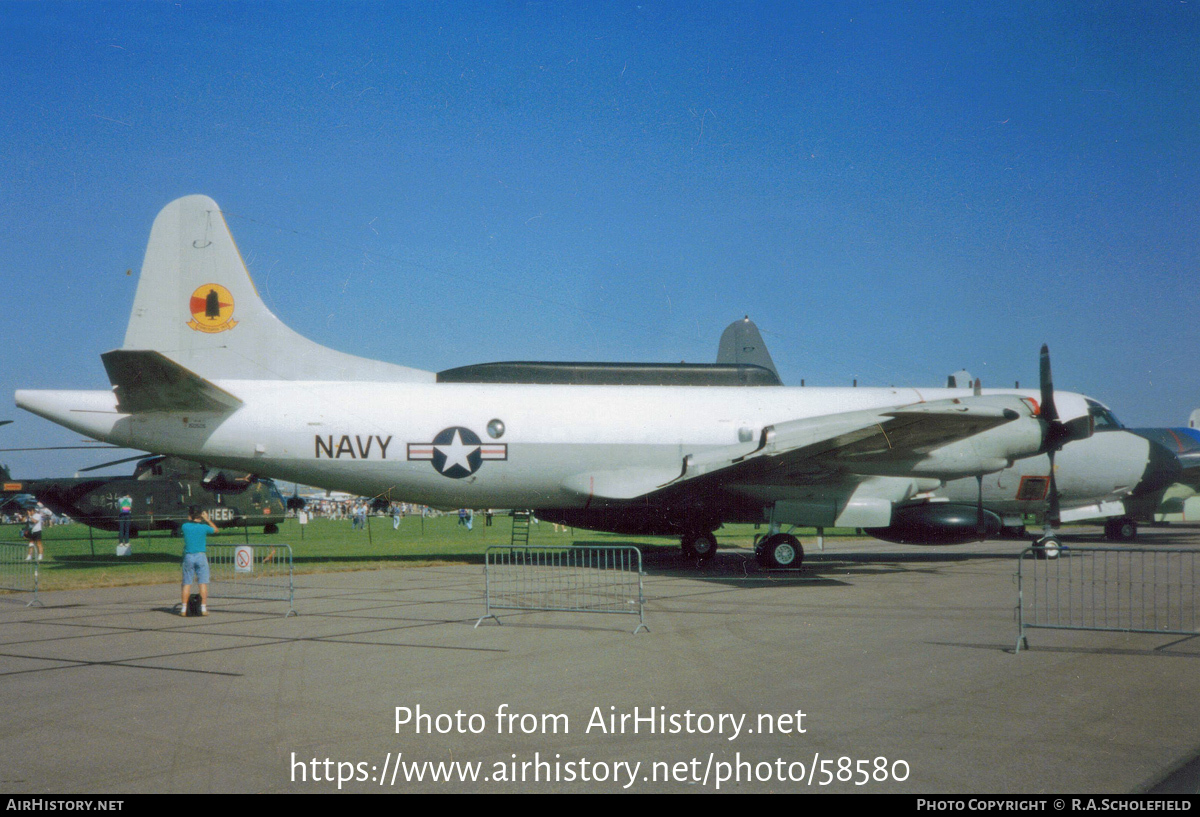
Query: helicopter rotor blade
(112, 462)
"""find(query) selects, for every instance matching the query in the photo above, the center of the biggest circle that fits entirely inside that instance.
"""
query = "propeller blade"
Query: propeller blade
(1049, 411)
(1053, 518)
(1056, 434)
(980, 527)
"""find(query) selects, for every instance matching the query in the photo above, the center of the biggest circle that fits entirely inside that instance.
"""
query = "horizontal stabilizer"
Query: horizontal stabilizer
(149, 381)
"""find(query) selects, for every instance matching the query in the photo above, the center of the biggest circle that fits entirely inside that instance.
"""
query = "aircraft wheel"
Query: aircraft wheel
(271, 528)
(781, 552)
(700, 545)
(1048, 547)
(1122, 529)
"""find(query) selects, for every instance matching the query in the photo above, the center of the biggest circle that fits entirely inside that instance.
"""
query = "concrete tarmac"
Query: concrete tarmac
(900, 658)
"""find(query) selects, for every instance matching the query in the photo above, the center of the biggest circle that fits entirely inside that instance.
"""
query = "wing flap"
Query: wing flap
(150, 381)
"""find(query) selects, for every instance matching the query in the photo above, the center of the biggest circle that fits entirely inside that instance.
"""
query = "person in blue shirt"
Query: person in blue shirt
(195, 556)
(124, 518)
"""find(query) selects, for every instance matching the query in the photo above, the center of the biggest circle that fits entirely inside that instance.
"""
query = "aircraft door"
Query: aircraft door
(162, 505)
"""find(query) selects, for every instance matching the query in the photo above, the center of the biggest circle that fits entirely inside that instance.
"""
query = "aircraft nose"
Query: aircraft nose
(1163, 469)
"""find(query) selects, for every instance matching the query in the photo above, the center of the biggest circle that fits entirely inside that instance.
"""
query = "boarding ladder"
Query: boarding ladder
(520, 528)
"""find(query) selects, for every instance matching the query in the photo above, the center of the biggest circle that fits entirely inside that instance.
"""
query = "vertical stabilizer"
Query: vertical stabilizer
(196, 305)
(742, 343)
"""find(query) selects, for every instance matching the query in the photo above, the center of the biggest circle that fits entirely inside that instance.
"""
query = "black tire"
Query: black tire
(1121, 529)
(700, 545)
(782, 552)
(1048, 547)
(271, 528)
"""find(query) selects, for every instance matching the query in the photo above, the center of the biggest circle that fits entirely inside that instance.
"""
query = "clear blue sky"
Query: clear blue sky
(892, 191)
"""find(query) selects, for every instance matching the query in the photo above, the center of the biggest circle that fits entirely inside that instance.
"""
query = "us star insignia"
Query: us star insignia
(457, 452)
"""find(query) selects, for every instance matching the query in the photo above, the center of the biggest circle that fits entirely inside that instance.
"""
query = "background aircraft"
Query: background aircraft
(206, 372)
(1184, 443)
(162, 488)
(12, 498)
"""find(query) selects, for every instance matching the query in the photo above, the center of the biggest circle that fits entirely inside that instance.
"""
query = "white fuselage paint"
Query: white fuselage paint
(552, 433)
(1104, 467)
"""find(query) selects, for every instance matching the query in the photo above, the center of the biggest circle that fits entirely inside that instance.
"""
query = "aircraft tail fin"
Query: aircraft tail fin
(197, 306)
(742, 343)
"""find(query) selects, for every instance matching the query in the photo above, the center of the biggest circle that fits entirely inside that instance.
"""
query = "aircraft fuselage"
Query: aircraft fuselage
(429, 442)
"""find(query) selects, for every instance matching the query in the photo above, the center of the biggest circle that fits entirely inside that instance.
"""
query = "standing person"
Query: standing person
(195, 556)
(124, 517)
(395, 517)
(34, 521)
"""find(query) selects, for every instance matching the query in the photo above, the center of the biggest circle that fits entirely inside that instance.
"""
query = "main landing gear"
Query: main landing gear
(699, 545)
(779, 551)
(1120, 529)
(775, 551)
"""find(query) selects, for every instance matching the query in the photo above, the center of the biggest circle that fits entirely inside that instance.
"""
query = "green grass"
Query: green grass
(78, 557)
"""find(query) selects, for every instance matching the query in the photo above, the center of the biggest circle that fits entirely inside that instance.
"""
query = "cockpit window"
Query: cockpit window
(273, 489)
(1104, 419)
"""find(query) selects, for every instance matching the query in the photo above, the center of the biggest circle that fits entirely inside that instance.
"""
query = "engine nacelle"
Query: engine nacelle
(937, 523)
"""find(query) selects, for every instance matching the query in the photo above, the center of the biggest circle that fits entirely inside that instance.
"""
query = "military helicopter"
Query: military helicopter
(162, 488)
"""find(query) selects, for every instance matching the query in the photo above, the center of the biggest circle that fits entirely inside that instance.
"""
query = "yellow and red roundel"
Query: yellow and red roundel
(211, 306)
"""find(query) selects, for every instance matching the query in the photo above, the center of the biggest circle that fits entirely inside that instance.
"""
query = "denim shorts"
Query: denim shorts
(195, 566)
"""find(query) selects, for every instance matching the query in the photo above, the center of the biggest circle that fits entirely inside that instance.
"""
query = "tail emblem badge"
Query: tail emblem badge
(211, 306)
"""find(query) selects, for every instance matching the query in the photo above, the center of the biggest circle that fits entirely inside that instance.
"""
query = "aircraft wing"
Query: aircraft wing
(150, 381)
(924, 439)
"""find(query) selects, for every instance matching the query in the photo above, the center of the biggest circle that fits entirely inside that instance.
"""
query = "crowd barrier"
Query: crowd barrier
(586, 579)
(1132, 590)
(258, 572)
(18, 575)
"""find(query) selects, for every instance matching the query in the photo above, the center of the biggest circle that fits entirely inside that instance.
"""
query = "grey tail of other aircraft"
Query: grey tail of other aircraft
(742, 344)
(197, 306)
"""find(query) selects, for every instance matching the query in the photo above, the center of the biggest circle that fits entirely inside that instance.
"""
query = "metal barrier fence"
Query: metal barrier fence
(1131, 590)
(601, 579)
(17, 574)
(259, 572)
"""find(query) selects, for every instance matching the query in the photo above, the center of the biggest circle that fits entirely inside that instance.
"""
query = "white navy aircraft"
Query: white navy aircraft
(208, 373)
